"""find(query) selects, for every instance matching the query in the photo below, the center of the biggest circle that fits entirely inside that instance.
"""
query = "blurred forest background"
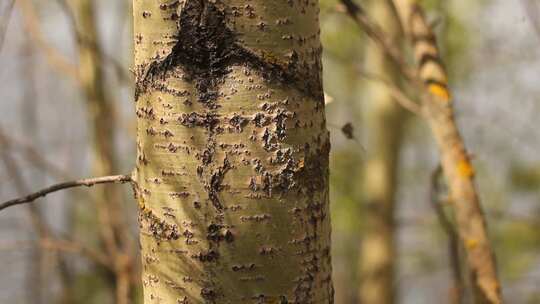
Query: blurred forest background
(491, 50)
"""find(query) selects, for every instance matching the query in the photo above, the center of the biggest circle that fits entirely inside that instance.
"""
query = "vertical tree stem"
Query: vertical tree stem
(385, 120)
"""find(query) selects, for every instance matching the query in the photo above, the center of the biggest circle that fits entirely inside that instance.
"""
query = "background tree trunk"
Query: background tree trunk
(385, 121)
(112, 228)
(233, 150)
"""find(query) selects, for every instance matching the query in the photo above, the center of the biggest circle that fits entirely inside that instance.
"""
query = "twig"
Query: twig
(71, 246)
(89, 182)
(29, 152)
(4, 20)
(61, 245)
(398, 94)
(54, 57)
(532, 9)
(119, 70)
(372, 29)
(36, 261)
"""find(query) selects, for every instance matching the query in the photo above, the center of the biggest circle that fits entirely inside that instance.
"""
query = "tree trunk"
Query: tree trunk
(232, 170)
(456, 164)
(101, 116)
(385, 120)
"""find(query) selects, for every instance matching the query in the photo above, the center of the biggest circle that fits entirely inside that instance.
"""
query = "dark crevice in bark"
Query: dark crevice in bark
(429, 58)
(205, 50)
(215, 185)
(157, 227)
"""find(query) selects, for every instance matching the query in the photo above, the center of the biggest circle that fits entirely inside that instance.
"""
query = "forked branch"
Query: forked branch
(374, 32)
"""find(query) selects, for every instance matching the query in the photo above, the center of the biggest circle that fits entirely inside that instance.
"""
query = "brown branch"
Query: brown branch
(61, 245)
(35, 272)
(75, 247)
(13, 169)
(4, 20)
(455, 161)
(32, 155)
(431, 79)
(532, 9)
(89, 182)
(399, 96)
(53, 56)
(80, 39)
(397, 93)
(373, 31)
(456, 292)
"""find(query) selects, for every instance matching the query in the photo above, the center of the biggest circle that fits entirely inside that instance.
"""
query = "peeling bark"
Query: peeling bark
(232, 167)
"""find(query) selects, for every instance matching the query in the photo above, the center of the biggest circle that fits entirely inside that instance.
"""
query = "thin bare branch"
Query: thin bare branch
(373, 31)
(61, 245)
(33, 156)
(4, 20)
(399, 96)
(54, 58)
(532, 9)
(89, 182)
(80, 38)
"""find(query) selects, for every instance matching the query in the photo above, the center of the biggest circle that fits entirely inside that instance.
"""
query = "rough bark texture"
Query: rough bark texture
(385, 120)
(457, 167)
(232, 167)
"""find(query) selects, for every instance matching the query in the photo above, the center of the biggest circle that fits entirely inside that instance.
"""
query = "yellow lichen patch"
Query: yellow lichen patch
(471, 243)
(142, 208)
(465, 168)
(439, 91)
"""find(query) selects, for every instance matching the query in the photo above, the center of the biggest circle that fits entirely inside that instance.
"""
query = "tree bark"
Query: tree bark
(232, 170)
(385, 120)
(457, 167)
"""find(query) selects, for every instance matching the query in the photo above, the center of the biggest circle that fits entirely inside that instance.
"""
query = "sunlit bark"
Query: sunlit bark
(232, 166)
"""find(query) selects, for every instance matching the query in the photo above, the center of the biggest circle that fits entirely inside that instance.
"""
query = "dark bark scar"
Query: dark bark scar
(205, 50)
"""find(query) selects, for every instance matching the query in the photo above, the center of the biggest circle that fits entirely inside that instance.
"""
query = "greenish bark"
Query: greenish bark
(385, 120)
(232, 170)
